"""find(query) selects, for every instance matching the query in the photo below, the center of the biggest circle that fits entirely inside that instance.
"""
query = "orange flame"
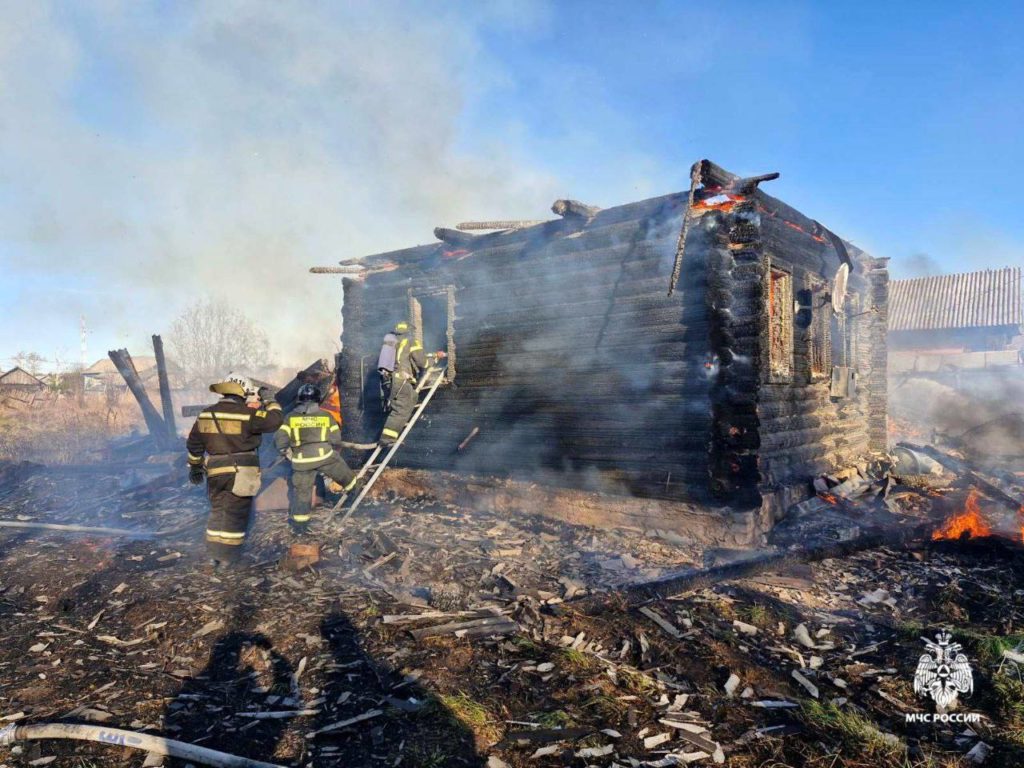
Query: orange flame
(970, 521)
(831, 499)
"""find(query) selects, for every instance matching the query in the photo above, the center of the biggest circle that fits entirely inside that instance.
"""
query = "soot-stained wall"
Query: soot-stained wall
(577, 368)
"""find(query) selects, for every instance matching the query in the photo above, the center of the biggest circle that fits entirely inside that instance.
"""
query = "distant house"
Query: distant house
(20, 386)
(955, 322)
(102, 374)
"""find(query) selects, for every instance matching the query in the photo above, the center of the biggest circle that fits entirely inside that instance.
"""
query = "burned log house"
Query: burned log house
(579, 367)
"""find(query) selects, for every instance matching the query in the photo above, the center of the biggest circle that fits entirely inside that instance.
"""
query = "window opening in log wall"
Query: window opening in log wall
(432, 316)
(820, 352)
(780, 324)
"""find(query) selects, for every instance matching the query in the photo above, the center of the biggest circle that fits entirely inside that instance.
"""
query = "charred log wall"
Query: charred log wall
(735, 302)
(806, 426)
(573, 363)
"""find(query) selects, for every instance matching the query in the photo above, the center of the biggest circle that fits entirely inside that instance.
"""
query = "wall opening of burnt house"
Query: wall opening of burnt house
(814, 319)
(780, 325)
(432, 316)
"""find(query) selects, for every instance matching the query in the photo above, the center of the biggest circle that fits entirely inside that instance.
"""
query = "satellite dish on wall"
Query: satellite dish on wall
(839, 288)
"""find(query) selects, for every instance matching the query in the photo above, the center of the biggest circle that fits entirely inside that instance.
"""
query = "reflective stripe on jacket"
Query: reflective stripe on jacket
(228, 433)
(409, 358)
(311, 433)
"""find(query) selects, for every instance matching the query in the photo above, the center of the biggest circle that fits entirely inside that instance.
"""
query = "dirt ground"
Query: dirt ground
(319, 667)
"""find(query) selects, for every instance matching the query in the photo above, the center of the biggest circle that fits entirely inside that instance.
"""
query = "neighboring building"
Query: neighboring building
(579, 370)
(103, 374)
(966, 321)
(19, 386)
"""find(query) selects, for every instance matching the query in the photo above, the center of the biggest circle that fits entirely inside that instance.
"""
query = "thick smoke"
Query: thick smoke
(979, 413)
(575, 364)
(157, 154)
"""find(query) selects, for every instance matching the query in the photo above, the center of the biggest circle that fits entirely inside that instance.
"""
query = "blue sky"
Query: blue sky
(152, 153)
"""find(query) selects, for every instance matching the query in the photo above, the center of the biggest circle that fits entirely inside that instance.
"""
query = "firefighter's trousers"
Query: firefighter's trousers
(229, 518)
(302, 482)
(404, 398)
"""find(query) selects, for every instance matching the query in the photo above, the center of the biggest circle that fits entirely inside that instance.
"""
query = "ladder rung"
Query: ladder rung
(393, 449)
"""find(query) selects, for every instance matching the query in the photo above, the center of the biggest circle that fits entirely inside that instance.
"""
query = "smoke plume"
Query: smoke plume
(160, 154)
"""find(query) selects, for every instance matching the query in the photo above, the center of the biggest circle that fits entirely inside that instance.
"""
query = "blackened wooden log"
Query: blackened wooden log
(749, 184)
(454, 237)
(319, 373)
(675, 584)
(467, 226)
(165, 387)
(123, 362)
(574, 208)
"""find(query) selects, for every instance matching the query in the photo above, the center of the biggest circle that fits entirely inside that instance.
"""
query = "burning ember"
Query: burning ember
(969, 522)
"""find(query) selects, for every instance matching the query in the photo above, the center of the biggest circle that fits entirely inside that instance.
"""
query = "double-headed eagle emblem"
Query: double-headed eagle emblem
(943, 673)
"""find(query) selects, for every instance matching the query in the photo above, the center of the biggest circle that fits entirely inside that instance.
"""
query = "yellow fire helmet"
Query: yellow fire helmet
(234, 385)
(228, 388)
(402, 327)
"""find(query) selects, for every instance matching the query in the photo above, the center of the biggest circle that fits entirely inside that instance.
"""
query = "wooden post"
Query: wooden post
(165, 387)
(123, 362)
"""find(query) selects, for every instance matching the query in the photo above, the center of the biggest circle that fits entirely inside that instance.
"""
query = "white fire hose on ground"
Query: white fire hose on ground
(116, 737)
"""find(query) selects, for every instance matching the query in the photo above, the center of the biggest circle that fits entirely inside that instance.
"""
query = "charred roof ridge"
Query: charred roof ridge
(602, 217)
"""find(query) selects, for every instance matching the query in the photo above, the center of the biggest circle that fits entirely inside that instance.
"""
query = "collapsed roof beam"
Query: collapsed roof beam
(504, 224)
(749, 184)
(574, 209)
(351, 269)
(454, 237)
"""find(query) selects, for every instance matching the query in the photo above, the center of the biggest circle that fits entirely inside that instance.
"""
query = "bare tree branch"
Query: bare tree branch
(211, 339)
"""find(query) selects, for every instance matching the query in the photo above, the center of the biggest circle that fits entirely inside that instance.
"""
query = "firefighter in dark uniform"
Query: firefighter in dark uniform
(229, 434)
(410, 361)
(312, 439)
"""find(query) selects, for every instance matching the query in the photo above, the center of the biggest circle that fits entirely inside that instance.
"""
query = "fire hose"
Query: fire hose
(117, 737)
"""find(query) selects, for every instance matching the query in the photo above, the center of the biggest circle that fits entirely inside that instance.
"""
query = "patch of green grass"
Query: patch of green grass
(472, 714)
(989, 648)
(370, 611)
(759, 615)
(526, 645)
(557, 719)
(857, 734)
(911, 630)
(435, 758)
(1009, 694)
(579, 662)
(637, 682)
(607, 707)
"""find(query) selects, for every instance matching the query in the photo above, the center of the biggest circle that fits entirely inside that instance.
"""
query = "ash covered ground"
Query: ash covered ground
(809, 664)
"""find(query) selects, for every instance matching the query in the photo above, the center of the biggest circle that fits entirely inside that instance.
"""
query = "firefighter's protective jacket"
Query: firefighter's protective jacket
(409, 358)
(312, 434)
(229, 433)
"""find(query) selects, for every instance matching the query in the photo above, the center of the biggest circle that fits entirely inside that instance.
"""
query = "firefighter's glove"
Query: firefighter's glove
(195, 475)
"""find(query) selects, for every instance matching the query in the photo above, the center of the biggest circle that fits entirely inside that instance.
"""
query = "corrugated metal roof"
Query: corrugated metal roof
(966, 300)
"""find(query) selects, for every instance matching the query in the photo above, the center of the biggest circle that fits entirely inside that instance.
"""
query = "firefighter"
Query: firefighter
(311, 438)
(229, 434)
(409, 363)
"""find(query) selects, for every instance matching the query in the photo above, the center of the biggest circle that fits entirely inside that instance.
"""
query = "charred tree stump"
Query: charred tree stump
(123, 362)
(165, 387)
